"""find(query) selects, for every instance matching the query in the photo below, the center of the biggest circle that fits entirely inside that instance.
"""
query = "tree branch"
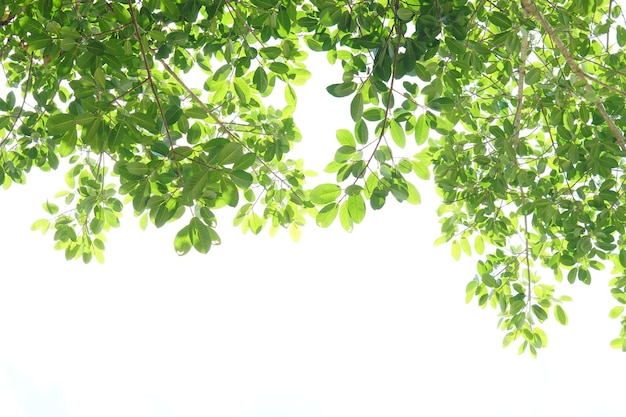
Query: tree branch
(530, 7)
(152, 86)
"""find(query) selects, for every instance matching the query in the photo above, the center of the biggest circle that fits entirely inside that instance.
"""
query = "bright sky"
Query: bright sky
(366, 324)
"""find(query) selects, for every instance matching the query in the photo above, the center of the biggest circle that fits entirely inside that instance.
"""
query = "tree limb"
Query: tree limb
(530, 7)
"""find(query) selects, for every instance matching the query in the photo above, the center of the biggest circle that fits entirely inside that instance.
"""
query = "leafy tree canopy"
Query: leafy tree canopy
(517, 109)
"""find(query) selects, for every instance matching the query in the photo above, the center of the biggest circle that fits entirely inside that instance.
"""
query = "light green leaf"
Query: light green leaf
(344, 217)
(295, 232)
(456, 250)
(560, 314)
(43, 224)
(397, 133)
(327, 215)
(421, 130)
(479, 244)
(345, 138)
(290, 95)
(356, 208)
(325, 193)
(616, 312)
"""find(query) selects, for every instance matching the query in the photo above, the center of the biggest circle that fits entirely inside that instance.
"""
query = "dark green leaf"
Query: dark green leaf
(341, 90)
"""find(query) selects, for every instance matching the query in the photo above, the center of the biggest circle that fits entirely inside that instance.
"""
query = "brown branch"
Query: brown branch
(152, 86)
(516, 130)
(385, 120)
(530, 7)
(520, 90)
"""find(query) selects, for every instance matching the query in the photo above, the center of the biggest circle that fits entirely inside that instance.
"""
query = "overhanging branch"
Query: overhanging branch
(530, 7)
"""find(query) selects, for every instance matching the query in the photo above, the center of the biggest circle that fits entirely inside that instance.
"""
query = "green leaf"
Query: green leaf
(374, 114)
(405, 14)
(341, 90)
(479, 245)
(361, 132)
(260, 80)
(616, 312)
(533, 76)
(327, 215)
(43, 224)
(543, 337)
(265, 4)
(325, 193)
(455, 46)
(345, 138)
(500, 20)
(59, 124)
(278, 67)
(245, 162)
(138, 168)
(456, 250)
(539, 312)
(95, 47)
(414, 195)
(344, 217)
(356, 107)
(290, 95)
(560, 314)
(230, 153)
(241, 178)
(397, 133)
(195, 185)
(243, 92)
(421, 130)
(50, 207)
(621, 36)
(121, 13)
(271, 52)
(488, 280)
(200, 235)
(618, 343)
(295, 232)
(356, 208)
(170, 9)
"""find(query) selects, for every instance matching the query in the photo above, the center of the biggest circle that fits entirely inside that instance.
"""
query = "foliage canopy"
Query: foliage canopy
(517, 109)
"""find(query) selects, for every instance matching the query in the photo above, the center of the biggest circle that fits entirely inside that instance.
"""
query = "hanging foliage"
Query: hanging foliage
(517, 109)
